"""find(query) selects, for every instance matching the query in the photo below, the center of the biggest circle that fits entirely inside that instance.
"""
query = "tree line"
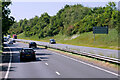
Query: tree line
(5, 20)
(5, 17)
(72, 19)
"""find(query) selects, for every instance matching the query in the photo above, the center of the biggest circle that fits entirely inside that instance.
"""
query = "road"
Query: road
(99, 51)
(51, 64)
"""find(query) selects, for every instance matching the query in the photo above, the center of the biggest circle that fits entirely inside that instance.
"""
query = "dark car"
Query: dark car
(32, 45)
(27, 54)
(14, 41)
(52, 41)
(5, 39)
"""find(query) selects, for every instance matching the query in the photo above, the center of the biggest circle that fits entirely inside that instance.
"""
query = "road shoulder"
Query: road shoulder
(5, 61)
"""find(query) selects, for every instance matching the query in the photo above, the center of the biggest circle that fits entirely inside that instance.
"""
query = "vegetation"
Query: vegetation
(108, 41)
(0, 25)
(71, 20)
(7, 20)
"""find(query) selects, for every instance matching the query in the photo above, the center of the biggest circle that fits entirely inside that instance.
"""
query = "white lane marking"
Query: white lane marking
(57, 73)
(46, 63)
(7, 73)
(90, 65)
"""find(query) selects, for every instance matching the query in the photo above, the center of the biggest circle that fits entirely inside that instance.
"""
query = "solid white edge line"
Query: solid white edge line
(57, 73)
(7, 73)
(90, 65)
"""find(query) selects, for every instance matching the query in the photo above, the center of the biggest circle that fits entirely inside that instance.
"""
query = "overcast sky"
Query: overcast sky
(21, 9)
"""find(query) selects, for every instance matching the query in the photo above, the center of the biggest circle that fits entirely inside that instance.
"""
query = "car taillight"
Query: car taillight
(33, 53)
(22, 53)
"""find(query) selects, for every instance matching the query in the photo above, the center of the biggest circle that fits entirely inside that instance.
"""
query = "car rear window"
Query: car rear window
(52, 40)
(32, 43)
(28, 51)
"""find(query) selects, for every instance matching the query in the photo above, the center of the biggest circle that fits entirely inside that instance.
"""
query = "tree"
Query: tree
(72, 19)
(0, 24)
(7, 20)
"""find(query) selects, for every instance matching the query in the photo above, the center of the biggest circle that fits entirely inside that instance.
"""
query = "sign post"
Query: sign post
(100, 30)
(94, 38)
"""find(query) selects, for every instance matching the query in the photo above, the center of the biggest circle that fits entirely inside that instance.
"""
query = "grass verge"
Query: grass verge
(105, 41)
(1, 52)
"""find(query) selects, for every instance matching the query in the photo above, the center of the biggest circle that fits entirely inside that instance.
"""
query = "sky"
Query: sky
(21, 9)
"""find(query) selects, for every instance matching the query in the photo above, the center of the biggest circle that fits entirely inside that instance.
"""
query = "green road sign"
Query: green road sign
(100, 30)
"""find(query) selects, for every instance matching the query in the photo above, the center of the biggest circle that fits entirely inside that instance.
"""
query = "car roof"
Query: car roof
(27, 48)
(32, 42)
(51, 39)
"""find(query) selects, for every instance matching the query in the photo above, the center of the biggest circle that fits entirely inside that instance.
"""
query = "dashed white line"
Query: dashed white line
(7, 73)
(57, 73)
(89, 65)
(46, 63)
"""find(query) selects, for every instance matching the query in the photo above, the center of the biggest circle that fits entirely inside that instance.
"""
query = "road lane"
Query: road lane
(33, 69)
(72, 69)
(99, 51)
(51, 65)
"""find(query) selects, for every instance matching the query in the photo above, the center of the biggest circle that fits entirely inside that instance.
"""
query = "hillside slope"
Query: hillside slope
(108, 41)
(70, 20)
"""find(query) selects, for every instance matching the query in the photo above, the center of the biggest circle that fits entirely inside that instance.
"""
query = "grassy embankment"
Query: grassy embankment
(0, 52)
(106, 41)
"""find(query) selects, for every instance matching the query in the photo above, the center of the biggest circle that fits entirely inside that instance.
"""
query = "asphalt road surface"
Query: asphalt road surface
(50, 64)
(99, 51)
